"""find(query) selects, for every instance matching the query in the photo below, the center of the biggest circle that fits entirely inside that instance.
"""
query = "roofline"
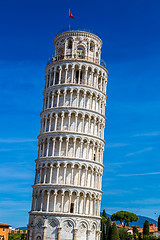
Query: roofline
(5, 225)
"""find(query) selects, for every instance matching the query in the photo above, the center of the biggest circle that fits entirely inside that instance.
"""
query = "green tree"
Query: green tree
(108, 229)
(159, 223)
(135, 232)
(102, 226)
(103, 221)
(104, 214)
(125, 217)
(114, 232)
(146, 228)
(140, 236)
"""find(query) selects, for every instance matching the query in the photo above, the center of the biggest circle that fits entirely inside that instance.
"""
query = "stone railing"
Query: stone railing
(78, 29)
(76, 57)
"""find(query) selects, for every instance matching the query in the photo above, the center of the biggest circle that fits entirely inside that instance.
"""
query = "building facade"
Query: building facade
(4, 230)
(69, 166)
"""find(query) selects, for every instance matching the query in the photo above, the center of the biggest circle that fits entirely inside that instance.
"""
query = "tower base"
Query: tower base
(44, 226)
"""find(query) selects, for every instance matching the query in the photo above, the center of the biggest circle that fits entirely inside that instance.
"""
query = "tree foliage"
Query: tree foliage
(103, 221)
(135, 232)
(104, 214)
(104, 226)
(150, 238)
(146, 228)
(123, 234)
(140, 236)
(17, 236)
(114, 232)
(125, 217)
(108, 229)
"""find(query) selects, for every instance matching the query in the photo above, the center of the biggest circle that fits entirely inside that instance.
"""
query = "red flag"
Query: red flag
(70, 14)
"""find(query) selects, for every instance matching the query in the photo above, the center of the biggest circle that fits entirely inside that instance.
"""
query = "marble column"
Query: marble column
(75, 234)
(59, 233)
(48, 197)
(51, 172)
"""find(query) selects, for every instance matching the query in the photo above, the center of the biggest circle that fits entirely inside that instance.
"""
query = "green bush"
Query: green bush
(149, 238)
(123, 235)
(17, 236)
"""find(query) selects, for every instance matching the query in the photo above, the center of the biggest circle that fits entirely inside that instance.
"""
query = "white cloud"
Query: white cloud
(148, 201)
(120, 163)
(115, 145)
(17, 140)
(13, 188)
(150, 134)
(15, 173)
(116, 192)
(138, 174)
(14, 203)
(139, 152)
(6, 150)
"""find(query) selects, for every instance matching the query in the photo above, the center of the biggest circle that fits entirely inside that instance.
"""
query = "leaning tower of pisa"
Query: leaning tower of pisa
(69, 166)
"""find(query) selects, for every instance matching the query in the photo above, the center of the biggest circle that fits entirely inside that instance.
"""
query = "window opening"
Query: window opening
(72, 208)
(81, 77)
(91, 46)
(57, 78)
(38, 177)
(38, 238)
(77, 76)
(69, 44)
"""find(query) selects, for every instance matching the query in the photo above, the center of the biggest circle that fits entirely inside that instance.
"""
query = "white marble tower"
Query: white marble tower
(69, 166)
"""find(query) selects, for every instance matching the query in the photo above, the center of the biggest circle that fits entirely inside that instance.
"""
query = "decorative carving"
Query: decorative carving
(52, 224)
(39, 224)
(83, 227)
(68, 226)
(77, 39)
(93, 228)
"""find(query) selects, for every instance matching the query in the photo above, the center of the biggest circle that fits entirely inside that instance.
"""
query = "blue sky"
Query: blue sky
(131, 36)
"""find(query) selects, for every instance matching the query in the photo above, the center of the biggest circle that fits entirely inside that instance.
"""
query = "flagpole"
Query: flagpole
(69, 19)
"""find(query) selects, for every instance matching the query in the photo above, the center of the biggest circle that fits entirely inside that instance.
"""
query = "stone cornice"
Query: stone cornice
(65, 187)
(69, 85)
(74, 108)
(76, 61)
(51, 110)
(65, 133)
(56, 214)
(61, 158)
